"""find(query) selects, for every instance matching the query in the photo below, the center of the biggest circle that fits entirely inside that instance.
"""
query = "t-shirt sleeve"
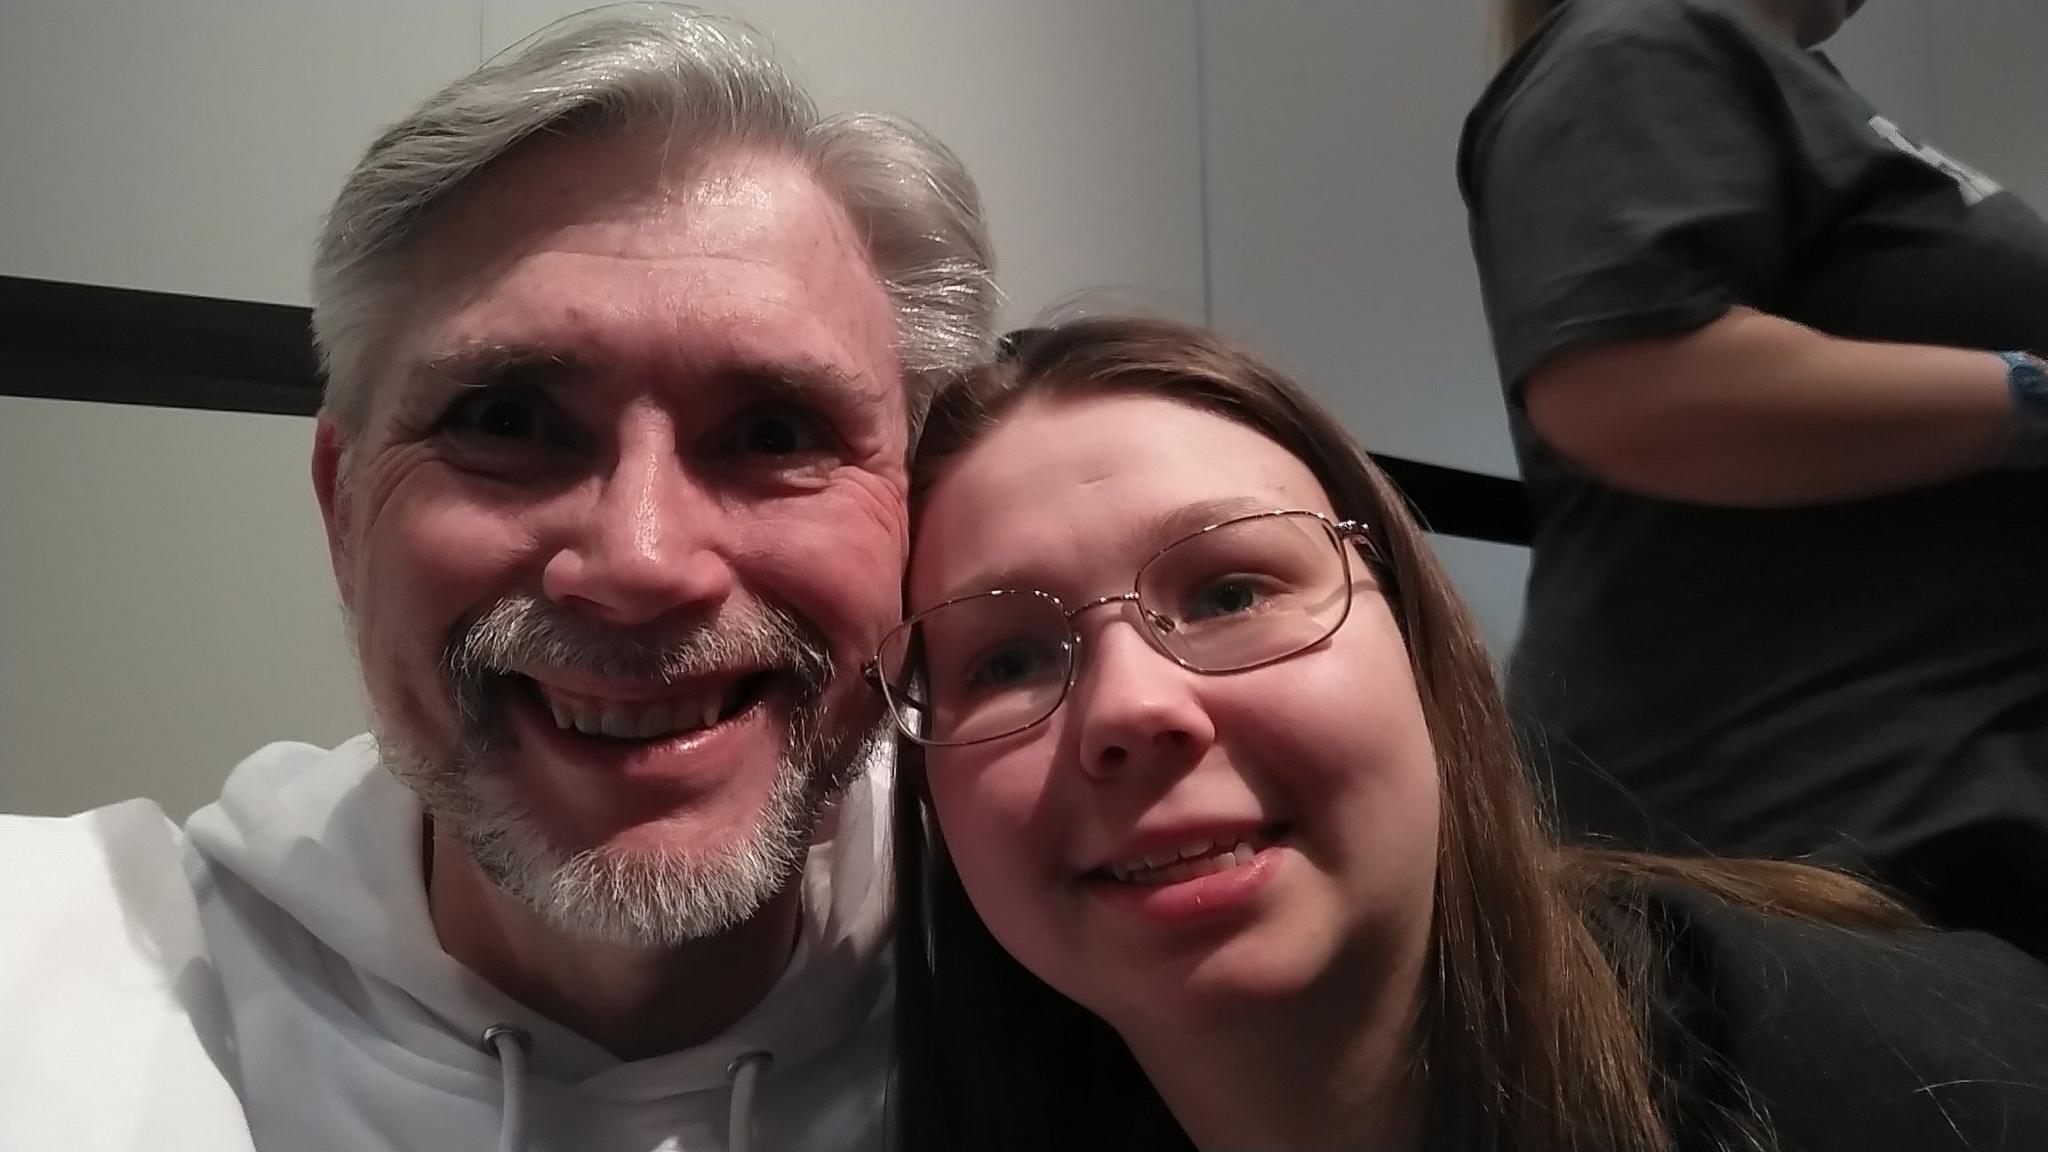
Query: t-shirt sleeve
(1631, 185)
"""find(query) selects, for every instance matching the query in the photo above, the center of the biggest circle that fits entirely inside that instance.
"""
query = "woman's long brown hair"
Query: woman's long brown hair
(1536, 1030)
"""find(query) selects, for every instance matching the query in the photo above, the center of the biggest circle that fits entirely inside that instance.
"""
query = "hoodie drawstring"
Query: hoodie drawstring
(745, 1074)
(509, 1045)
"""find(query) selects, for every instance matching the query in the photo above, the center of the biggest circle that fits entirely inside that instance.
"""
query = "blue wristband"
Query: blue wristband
(2027, 377)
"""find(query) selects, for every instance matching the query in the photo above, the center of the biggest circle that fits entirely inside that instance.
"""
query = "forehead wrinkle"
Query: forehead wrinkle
(585, 341)
(676, 331)
(743, 207)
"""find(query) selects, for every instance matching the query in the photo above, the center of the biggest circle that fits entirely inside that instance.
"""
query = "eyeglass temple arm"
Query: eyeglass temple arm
(1360, 531)
(872, 673)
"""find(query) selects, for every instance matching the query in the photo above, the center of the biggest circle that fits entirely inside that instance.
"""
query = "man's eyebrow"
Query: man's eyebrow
(810, 382)
(481, 365)
(802, 381)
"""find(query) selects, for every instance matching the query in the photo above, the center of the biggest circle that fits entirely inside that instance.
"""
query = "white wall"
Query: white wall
(1283, 167)
(191, 146)
(165, 602)
(1989, 87)
(1337, 239)
(1883, 52)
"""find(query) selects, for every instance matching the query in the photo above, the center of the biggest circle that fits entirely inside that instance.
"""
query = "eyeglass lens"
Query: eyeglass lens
(1243, 593)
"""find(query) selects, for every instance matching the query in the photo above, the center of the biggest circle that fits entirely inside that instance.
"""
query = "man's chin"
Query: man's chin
(644, 840)
(629, 858)
(641, 902)
(651, 884)
(620, 870)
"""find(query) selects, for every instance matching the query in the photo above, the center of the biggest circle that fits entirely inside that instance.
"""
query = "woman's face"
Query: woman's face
(1304, 793)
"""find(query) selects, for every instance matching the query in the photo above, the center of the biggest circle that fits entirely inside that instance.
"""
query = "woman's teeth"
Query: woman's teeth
(1194, 860)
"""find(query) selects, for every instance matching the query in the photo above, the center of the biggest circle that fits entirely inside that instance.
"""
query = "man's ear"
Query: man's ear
(330, 487)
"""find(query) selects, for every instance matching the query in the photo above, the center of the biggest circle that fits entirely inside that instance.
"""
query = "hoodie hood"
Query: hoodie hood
(311, 876)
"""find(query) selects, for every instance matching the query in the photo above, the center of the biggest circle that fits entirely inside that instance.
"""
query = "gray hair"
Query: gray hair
(709, 81)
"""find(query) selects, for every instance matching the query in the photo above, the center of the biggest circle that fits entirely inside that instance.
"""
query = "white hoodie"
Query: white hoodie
(276, 965)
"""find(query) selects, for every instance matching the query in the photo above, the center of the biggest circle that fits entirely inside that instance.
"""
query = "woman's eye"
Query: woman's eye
(1009, 666)
(1226, 597)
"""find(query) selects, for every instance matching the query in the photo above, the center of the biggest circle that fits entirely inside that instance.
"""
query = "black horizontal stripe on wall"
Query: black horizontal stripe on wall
(68, 341)
(1454, 502)
(125, 346)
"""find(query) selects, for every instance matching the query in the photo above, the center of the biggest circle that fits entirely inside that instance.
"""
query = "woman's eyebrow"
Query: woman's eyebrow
(1191, 518)
(1007, 578)
(1152, 534)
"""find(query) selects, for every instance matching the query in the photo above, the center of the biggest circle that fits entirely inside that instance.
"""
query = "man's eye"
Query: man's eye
(779, 431)
(504, 415)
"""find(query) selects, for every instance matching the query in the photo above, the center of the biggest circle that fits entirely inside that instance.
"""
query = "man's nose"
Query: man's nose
(649, 543)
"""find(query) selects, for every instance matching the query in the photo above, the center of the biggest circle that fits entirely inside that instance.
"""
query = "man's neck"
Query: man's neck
(634, 1002)
(1332, 1070)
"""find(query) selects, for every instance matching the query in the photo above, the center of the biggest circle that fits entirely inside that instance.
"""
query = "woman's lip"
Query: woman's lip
(1201, 898)
(1170, 839)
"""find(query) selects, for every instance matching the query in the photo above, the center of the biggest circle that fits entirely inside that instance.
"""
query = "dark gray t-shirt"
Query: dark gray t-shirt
(1868, 680)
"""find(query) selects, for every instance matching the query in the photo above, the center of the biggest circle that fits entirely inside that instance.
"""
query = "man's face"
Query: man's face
(625, 516)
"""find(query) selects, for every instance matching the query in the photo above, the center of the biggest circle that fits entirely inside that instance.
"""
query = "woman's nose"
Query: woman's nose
(1135, 708)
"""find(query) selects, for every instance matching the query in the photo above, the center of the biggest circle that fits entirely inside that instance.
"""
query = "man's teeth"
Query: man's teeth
(640, 721)
(1192, 860)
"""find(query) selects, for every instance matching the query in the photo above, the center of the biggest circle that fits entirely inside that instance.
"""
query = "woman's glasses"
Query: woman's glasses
(1247, 592)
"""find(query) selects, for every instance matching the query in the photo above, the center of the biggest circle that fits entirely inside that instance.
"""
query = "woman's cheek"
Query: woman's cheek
(988, 835)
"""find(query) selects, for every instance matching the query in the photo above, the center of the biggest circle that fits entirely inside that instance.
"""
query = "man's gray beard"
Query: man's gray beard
(647, 899)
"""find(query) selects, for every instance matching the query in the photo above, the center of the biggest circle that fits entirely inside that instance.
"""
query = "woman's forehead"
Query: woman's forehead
(1135, 441)
(1061, 484)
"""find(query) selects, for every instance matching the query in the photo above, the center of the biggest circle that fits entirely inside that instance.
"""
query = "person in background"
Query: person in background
(1774, 378)
(1211, 832)
(625, 346)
